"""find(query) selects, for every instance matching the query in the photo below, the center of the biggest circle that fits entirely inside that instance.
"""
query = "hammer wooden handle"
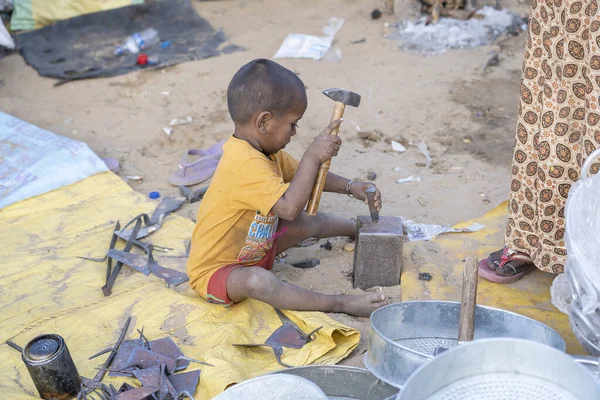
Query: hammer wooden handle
(466, 323)
(317, 191)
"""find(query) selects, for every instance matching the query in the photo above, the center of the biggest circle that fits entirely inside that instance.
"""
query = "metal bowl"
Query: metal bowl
(344, 383)
(492, 369)
(591, 363)
(406, 335)
(274, 387)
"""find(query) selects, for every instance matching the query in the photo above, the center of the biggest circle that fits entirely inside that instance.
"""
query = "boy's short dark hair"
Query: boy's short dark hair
(261, 85)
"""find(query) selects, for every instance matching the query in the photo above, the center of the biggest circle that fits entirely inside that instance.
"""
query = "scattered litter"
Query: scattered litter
(409, 179)
(154, 195)
(307, 243)
(484, 198)
(400, 169)
(358, 41)
(333, 55)
(416, 231)
(326, 246)
(451, 33)
(304, 264)
(373, 136)
(298, 45)
(371, 176)
(165, 44)
(142, 59)
(175, 122)
(376, 13)
(137, 178)
(494, 61)
(350, 247)
(165, 93)
(423, 149)
(467, 140)
(425, 276)
(184, 121)
(138, 41)
(398, 147)
(5, 39)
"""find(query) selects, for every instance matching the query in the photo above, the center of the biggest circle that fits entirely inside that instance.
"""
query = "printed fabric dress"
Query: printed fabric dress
(558, 125)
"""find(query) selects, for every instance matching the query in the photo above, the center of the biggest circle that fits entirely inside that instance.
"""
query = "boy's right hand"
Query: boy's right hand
(325, 146)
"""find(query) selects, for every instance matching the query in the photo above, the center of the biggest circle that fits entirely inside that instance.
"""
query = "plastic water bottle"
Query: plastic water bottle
(139, 41)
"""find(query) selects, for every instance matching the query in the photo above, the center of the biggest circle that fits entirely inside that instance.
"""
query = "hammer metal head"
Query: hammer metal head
(343, 96)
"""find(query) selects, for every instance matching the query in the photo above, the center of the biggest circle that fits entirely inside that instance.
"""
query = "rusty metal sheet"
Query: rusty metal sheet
(122, 357)
(167, 347)
(155, 376)
(171, 276)
(142, 393)
(166, 207)
(135, 261)
(185, 382)
(144, 358)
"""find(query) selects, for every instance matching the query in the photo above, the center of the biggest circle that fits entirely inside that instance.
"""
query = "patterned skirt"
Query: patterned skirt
(558, 125)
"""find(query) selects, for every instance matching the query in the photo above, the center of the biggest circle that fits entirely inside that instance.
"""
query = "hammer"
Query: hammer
(342, 98)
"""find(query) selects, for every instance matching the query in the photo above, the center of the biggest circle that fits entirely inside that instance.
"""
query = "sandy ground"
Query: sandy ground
(465, 116)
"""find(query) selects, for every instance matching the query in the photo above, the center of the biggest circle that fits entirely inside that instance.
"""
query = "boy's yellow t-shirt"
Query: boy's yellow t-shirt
(235, 223)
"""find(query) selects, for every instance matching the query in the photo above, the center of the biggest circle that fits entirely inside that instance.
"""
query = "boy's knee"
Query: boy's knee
(258, 280)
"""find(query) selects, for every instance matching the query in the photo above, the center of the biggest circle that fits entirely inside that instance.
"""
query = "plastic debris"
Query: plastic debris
(350, 247)
(409, 179)
(416, 231)
(5, 39)
(451, 33)
(184, 121)
(425, 151)
(137, 178)
(298, 45)
(398, 147)
(154, 195)
(168, 130)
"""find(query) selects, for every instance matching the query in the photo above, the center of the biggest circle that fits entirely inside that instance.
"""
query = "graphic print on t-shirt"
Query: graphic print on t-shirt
(260, 237)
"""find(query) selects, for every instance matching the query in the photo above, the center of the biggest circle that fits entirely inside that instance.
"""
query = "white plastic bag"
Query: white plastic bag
(580, 285)
(5, 39)
(298, 45)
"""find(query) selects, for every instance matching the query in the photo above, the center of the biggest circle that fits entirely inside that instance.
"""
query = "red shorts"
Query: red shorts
(216, 292)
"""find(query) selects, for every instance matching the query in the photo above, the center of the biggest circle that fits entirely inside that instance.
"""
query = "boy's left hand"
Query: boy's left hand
(359, 191)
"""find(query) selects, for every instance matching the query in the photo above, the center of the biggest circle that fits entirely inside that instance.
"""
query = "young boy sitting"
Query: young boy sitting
(253, 208)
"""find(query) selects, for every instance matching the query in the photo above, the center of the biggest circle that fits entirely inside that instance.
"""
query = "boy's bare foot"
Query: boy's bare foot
(361, 305)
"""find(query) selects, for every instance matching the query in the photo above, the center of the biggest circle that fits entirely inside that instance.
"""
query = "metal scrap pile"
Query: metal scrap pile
(154, 363)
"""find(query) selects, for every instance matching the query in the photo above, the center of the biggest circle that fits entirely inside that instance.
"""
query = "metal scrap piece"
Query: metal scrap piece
(185, 382)
(120, 360)
(167, 206)
(112, 275)
(171, 276)
(135, 261)
(167, 347)
(143, 393)
(155, 376)
(143, 231)
(287, 335)
(193, 196)
(144, 358)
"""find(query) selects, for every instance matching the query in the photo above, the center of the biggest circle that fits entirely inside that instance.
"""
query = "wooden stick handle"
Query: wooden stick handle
(317, 191)
(466, 323)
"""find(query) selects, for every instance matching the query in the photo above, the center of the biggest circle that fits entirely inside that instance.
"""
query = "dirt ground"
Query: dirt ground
(465, 116)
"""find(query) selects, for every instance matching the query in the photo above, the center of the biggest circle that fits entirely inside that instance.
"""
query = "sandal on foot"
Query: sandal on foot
(509, 269)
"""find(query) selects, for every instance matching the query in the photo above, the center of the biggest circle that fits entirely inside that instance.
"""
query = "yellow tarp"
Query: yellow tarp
(530, 296)
(33, 14)
(45, 288)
